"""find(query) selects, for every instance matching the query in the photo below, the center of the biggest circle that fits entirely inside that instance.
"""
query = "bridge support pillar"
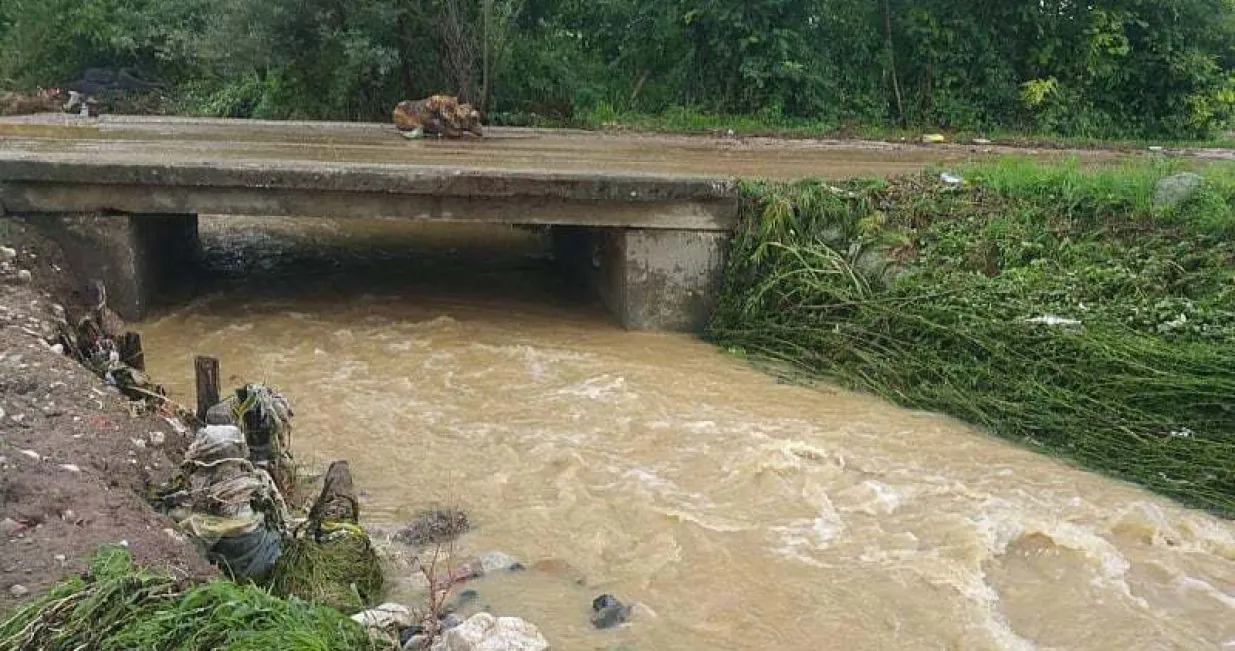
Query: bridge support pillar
(134, 255)
(654, 279)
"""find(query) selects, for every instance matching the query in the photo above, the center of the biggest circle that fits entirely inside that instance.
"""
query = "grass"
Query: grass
(691, 121)
(1054, 306)
(120, 607)
(342, 571)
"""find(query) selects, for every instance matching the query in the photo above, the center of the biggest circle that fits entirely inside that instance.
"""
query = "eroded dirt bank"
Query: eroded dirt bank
(75, 458)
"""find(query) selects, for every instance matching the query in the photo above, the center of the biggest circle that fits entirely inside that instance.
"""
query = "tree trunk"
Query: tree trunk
(887, 34)
(486, 72)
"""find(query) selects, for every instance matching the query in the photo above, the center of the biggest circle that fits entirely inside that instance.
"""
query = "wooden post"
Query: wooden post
(337, 501)
(130, 349)
(206, 370)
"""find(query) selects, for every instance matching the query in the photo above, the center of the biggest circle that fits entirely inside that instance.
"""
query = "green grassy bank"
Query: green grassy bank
(688, 121)
(1054, 306)
(119, 607)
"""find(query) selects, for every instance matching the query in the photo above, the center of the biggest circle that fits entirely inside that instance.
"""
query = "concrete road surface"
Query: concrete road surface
(188, 140)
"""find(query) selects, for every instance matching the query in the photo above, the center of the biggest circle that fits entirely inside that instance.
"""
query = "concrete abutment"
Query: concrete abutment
(135, 256)
(650, 279)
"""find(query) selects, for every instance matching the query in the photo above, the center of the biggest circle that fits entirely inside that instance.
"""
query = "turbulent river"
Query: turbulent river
(450, 368)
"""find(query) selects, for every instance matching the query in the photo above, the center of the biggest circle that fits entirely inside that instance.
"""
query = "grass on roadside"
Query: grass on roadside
(692, 121)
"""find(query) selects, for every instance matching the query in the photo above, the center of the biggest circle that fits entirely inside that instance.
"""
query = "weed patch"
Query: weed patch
(120, 607)
(1053, 306)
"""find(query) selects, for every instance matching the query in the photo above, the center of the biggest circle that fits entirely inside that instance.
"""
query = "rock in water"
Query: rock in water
(7, 254)
(608, 612)
(484, 632)
(1177, 189)
(435, 527)
(495, 561)
(386, 617)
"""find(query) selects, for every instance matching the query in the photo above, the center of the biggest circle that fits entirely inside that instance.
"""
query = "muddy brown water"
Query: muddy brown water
(744, 512)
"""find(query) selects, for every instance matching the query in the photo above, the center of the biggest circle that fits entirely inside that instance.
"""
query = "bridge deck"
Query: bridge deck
(61, 163)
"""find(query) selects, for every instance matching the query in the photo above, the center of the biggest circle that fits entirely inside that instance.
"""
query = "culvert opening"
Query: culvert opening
(334, 259)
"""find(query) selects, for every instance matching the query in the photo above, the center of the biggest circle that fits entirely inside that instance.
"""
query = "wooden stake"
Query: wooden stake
(206, 370)
(130, 349)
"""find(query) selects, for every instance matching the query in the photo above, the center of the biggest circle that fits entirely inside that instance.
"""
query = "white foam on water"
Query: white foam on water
(1000, 524)
(780, 455)
(1190, 583)
(347, 369)
(718, 525)
(605, 388)
(986, 599)
(1185, 531)
(442, 322)
(438, 361)
(873, 498)
(700, 427)
(800, 539)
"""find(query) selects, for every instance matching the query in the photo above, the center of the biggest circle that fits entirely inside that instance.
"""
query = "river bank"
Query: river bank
(75, 461)
(1082, 313)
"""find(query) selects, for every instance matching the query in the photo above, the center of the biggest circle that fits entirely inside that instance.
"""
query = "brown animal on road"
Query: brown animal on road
(439, 115)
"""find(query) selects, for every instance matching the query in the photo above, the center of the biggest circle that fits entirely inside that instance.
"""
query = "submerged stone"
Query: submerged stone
(609, 612)
(435, 527)
(484, 632)
(495, 561)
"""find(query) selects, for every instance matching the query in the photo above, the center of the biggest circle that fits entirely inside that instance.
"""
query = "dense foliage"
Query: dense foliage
(1053, 306)
(1114, 68)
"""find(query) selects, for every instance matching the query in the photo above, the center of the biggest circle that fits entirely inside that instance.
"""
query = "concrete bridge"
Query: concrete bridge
(122, 195)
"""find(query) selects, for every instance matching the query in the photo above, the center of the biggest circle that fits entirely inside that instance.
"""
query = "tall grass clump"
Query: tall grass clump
(119, 607)
(1056, 306)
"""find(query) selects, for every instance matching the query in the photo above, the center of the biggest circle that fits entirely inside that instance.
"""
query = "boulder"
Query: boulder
(496, 561)
(386, 617)
(608, 612)
(484, 632)
(1177, 189)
